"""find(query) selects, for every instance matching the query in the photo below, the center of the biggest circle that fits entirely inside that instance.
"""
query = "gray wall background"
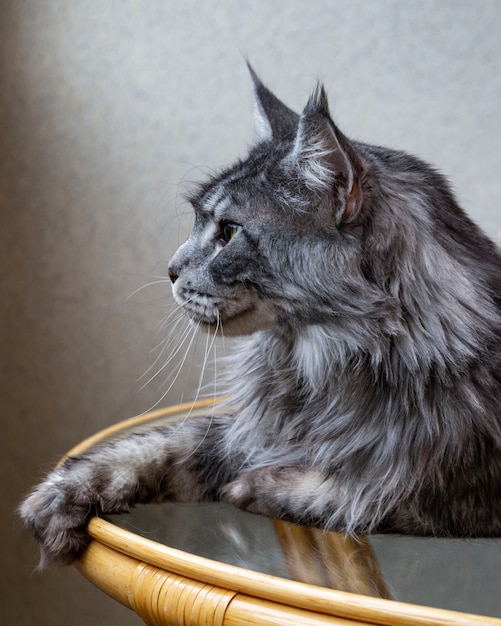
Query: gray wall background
(107, 110)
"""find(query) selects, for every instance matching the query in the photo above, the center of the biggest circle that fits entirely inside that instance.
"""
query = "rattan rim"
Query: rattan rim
(255, 584)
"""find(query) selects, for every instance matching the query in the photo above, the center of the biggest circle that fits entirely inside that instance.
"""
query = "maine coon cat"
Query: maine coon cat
(367, 381)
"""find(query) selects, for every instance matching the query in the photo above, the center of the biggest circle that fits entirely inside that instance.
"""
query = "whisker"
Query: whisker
(174, 352)
(177, 371)
(210, 345)
(158, 280)
(203, 366)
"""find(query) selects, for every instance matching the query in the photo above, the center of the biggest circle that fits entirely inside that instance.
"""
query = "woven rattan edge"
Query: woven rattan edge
(284, 592)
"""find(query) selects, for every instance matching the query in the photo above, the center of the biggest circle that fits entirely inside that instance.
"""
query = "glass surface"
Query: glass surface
(457, 574)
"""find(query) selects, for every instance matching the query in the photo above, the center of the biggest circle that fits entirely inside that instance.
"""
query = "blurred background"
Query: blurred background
(109, 110)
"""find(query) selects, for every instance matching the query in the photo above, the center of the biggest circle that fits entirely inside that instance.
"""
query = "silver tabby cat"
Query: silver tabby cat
(368, 376)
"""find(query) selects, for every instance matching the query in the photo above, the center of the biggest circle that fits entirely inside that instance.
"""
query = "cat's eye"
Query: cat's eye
(229, 230)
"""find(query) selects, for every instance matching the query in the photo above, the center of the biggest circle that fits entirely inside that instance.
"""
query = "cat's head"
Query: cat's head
(276, 239)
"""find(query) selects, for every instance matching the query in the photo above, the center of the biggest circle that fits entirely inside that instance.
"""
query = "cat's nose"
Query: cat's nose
(172, 275)
(174, 268)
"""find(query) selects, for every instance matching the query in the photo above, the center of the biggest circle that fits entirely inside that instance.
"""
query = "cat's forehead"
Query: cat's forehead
(256, 181)
(242, 189)
(214, 200)
(219, 199)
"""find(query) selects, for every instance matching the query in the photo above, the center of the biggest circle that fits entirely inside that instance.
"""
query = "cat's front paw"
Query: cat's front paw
(57, 514)
(287, 493)
(261, 491)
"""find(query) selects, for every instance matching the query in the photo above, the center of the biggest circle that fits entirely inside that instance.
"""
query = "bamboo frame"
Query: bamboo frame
(169, 587)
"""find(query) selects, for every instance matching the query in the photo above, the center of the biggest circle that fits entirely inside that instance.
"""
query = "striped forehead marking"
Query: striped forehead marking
(214, 198)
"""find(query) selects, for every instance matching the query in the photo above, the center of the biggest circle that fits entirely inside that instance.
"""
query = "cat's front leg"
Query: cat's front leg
(179, 462)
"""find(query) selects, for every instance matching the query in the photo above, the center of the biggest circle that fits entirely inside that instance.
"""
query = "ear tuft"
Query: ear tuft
(274, 120)
(327, 162)
(318, 102)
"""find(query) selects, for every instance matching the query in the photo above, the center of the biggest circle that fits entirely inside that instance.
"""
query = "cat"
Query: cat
(366, 378)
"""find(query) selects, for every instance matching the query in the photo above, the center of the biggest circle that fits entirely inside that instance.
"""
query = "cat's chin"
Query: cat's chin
(245, 323)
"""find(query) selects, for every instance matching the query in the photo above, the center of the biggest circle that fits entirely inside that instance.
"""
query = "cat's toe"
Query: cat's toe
(62, 547)
(242, 492)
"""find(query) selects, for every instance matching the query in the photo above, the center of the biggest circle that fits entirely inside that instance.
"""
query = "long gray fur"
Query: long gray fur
(367, 373)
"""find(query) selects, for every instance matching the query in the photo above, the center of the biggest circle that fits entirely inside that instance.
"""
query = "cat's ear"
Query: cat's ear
(327, 162)
(274, 120)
